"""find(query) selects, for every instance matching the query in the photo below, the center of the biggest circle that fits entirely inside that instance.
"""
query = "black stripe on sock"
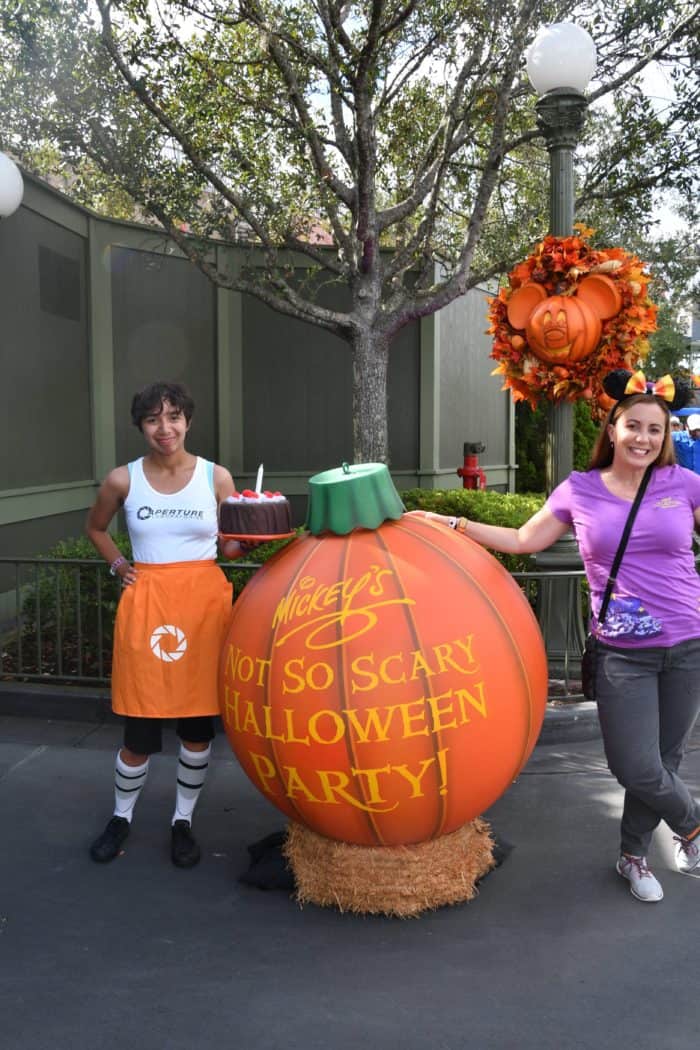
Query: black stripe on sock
(193, 787)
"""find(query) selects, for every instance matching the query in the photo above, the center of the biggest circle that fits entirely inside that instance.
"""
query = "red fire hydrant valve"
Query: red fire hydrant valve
(471, 473)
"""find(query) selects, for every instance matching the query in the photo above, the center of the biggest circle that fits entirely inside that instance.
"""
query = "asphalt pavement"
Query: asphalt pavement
(553, 953)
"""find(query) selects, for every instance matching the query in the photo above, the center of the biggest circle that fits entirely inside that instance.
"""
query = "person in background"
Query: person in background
(686, 443)
(676, 425)
(648, 667)
(172, 614)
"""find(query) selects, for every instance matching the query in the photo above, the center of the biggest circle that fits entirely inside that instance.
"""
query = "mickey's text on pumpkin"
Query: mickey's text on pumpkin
(332, 615)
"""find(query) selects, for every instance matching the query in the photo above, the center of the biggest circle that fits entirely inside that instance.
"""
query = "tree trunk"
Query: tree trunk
(370, 364)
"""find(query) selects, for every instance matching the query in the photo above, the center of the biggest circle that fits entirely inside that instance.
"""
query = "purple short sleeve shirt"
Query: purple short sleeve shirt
(656, 601)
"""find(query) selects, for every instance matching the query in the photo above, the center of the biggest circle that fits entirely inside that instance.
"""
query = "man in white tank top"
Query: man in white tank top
(173, 612)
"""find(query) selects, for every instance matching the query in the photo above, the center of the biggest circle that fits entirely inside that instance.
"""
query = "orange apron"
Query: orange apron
(168, 635)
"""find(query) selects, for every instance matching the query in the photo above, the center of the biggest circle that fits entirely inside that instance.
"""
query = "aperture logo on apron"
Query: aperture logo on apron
(168, 643)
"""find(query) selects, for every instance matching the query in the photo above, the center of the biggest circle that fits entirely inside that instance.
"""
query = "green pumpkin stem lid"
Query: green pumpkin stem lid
(357, 495)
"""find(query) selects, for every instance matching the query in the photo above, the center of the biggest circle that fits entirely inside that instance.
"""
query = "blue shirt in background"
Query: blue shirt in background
(687, 450)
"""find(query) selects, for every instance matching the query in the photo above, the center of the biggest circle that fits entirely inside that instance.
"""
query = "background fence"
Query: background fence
(61, 628)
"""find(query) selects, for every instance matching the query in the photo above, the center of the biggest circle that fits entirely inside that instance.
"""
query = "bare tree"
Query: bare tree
(400, 133)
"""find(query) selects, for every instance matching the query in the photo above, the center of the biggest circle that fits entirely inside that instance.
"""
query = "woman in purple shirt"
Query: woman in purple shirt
(648, 667)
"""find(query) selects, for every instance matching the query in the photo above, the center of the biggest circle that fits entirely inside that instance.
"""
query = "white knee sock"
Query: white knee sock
(128, 781)
(191, 771)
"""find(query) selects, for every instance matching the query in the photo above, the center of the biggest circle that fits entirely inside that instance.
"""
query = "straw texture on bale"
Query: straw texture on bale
(389, 880)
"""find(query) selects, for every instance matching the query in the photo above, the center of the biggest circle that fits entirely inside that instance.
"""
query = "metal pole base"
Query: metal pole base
(559, 609)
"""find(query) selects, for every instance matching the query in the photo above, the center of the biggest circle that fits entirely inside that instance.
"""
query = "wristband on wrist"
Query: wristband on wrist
(461, 525)
(116, 564)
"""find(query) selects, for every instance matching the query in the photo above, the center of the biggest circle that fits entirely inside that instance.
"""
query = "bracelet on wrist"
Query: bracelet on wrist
(461, 525)
(117, 564)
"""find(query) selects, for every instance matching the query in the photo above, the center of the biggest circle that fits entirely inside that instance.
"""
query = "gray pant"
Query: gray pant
(648, 701)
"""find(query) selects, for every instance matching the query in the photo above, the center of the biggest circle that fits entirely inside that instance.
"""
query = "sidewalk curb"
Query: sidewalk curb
(570, 723)
(67, 703)
(563, 723)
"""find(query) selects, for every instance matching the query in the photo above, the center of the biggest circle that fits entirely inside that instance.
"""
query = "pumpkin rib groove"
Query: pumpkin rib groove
(514, 646)
(275, 758)
(342, 704)
(435, 737)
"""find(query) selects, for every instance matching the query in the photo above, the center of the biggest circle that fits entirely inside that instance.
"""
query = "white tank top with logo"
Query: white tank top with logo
(176, 526)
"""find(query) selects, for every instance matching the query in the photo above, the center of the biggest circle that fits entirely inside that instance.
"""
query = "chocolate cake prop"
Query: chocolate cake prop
(263, 514)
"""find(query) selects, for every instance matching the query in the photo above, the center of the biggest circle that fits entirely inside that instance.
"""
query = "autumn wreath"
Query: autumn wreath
(570, 314)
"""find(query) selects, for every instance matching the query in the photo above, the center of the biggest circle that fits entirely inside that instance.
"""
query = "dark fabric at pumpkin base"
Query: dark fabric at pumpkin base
(268, 868)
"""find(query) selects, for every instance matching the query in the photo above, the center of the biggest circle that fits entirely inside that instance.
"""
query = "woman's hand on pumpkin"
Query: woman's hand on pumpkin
(444, 519)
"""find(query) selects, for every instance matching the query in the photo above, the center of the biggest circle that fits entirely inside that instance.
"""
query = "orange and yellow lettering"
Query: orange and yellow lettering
(384, 673)
(263, 667)
(232, 661)
(294, 785)
(289, 726)
(332, 594)
(372, 778)
(231, 698)
(420, 664)
(265, 770)
(337, 722)
(297, 684)
(250, 722)
(415, 780)
(319, 676)
(267, 712)
(358, 670)
(245, 668)
(439, 712)
(417, 716)
(334, 782)
(464, 696)
(372, 723)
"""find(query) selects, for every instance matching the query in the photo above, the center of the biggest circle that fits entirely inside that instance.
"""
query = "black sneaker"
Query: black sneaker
(184, 850)
(109, 844)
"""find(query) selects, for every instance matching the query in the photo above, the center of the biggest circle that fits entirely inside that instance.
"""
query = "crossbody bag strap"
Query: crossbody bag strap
(612, 579)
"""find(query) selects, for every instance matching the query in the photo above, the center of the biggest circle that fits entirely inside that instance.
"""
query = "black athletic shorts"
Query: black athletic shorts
(144, 736)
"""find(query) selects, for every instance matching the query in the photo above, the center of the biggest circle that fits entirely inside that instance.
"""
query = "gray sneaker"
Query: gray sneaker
(643, 885)
(688, 856)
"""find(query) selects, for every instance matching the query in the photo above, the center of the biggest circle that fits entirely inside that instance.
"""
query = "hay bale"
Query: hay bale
(389, 880)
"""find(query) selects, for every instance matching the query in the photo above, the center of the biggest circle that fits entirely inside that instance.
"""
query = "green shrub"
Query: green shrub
(65, 611)
(492, 508)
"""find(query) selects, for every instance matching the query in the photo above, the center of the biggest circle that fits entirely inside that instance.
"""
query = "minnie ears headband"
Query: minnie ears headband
(621, 384)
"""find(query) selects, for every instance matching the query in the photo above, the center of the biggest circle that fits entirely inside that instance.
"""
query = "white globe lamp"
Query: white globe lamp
(561, 56)
(11, 186)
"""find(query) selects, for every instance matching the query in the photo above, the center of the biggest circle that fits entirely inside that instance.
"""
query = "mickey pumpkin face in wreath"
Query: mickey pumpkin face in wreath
(562, 329)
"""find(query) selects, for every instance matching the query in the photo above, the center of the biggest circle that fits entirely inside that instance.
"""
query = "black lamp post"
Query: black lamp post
(560, 63)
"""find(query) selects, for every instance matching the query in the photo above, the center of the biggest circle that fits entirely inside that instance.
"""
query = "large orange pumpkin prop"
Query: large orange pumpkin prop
(386, 686)
(564, 328)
